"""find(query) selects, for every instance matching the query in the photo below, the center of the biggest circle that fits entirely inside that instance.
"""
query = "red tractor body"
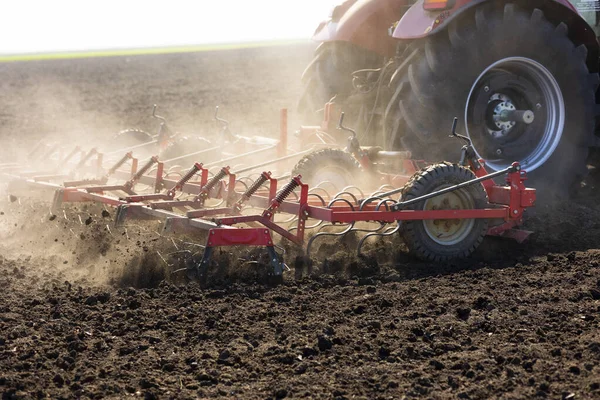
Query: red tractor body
(360, 21)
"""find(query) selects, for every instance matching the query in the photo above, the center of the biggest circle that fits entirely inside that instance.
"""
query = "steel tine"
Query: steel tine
(389, 232)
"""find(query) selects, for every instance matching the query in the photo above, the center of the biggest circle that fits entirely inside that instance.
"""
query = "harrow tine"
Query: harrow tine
(348, 188)
(322, 234)
(389, 232)
(331, 203)
(322, 183)
(319, 189)
(318, 223)
(340, 194)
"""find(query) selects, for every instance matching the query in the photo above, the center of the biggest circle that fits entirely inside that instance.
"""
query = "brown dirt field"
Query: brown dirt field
(86, 313)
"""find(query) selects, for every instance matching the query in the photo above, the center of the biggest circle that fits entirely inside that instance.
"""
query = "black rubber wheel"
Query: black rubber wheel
(131, 137)
(444, 240)
(499, 58)
(330, 74)
(335, 166)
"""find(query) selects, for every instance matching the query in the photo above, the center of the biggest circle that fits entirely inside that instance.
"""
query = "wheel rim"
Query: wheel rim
(509, 85)
(448, 232)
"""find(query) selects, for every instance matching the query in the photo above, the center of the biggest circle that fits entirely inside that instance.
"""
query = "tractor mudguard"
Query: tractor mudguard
(417, 23)
(364, 23)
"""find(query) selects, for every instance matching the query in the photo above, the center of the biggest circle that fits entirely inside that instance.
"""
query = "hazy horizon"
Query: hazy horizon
(33, 26)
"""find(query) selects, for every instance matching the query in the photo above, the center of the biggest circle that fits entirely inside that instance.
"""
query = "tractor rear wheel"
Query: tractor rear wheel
(485, 67)
(131, 137)
(444, 240)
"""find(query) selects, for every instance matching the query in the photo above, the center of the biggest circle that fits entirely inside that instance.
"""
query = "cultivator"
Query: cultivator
(443, 210)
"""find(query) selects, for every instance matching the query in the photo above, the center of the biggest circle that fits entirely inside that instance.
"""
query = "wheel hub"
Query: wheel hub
(499, 103)
(448, 231)
(515, 111)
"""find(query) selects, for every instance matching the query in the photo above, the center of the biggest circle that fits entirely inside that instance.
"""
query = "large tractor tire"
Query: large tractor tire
(330, 74)
(444, 240)
(492, 61)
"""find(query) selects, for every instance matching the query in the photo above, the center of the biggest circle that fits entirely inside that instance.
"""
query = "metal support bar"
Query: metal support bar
(400, 205)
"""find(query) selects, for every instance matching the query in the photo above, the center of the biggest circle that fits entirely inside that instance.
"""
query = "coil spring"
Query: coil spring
(119, 164)
(188, 175)
(256, 185)
(287, 190)
(145, 168)
(215, 179)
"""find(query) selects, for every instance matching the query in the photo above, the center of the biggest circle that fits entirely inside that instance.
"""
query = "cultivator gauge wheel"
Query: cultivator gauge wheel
(131, 137)
(329, 167)
(443, 240)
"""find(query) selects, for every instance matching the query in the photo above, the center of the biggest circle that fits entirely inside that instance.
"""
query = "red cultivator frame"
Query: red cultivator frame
(443, 212)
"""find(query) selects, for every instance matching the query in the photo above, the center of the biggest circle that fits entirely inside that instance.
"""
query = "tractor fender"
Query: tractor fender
(364, 23)
(417, 23)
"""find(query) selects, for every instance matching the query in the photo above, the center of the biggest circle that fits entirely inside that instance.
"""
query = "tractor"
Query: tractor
(522, 76)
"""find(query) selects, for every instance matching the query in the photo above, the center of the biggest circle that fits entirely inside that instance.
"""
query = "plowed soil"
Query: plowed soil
(87, 311)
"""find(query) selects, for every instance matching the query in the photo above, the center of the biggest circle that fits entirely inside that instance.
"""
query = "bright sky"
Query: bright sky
(34, 26)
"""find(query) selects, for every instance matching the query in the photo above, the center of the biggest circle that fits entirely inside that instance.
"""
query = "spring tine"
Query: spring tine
(335, 200)
(381, 225)
(389, 232)
(321, 234)
(340, 194)
(318, 196)
(246, 180)
(382, 189)
(331, 184)
(348, 188)
(318, 222)
(367, 201)
(241, 182)
(318, 189)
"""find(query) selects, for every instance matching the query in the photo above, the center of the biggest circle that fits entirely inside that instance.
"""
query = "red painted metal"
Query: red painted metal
(236, 237)
(365, 24)
(158, 184)
(417, 22)
(510, 202)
